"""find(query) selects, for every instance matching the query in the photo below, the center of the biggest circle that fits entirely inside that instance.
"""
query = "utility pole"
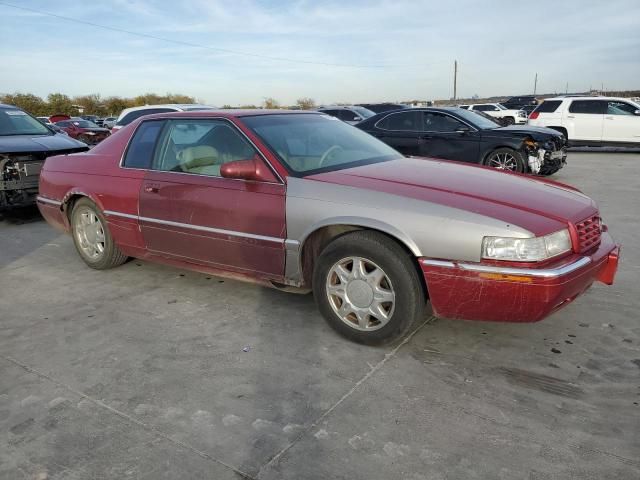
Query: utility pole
(566, 90)
(455, 80)
(535, 85)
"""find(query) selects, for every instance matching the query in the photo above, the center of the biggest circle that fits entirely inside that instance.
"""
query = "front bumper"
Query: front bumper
(476, 291)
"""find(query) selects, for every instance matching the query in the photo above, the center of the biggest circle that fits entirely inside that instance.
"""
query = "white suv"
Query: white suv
(595, 121)
(128, 115)
(505, 115)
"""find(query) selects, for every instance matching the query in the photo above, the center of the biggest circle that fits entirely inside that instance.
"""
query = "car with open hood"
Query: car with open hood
(301, 201)
(25, 142)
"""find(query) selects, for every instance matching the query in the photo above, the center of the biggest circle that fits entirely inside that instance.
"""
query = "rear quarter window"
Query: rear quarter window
(548, 106)
(140, 151)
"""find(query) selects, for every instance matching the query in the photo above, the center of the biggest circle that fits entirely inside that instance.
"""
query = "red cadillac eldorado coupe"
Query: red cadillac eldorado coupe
(300, 200)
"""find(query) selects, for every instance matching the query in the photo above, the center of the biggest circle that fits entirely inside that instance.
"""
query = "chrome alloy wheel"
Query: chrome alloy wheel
(360, 293)
(89, 233)
(503, 161)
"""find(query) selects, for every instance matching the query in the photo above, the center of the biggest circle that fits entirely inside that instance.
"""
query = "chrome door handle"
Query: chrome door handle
(571, 116)
(609, 118)
(151, 189)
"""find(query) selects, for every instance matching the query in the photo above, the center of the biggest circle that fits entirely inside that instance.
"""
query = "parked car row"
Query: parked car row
(302, 201)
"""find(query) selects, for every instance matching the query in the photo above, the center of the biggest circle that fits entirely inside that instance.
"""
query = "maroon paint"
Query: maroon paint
(462, 294)
(255, 208)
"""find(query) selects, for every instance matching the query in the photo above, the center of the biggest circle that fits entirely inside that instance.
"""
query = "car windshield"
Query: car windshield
(84, 124)
(17, 122)
(309, 144)
(501, 107)
(478, 119)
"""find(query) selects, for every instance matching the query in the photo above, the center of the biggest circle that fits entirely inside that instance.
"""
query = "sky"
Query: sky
(331, 51)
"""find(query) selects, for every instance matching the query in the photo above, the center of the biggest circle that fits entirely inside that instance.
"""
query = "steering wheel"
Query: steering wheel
(326, 154)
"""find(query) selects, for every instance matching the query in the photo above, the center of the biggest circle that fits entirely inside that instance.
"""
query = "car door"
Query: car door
(400, 130)
(444, 136)
(584, 120)
(190, 213)
(621, 124)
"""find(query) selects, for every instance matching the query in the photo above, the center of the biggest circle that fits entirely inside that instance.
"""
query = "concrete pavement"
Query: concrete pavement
(148, 372)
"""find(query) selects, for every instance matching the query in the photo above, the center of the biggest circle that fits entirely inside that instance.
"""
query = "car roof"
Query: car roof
(177, 106)
(586, 97)
(339, 107)
(4, 105)
(229, 113)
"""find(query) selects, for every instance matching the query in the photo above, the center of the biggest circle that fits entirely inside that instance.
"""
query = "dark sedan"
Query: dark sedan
(453, 133)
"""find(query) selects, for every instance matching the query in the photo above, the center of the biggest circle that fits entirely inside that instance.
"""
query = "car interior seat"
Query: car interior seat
(201, 159)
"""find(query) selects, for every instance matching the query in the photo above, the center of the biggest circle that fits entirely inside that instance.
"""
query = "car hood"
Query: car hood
(539, 206)
(537, 133)
(38, 143)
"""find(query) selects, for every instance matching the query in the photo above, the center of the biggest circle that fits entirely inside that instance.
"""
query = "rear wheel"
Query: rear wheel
(367, 288)
(506, 159)
(92, 237)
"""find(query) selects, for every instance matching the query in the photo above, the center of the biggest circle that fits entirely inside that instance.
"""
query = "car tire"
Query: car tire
(364, 272)
(92, 238)
(506, 159)
(508, 121)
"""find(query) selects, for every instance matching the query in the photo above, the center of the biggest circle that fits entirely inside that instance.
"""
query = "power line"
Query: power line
(189, 44)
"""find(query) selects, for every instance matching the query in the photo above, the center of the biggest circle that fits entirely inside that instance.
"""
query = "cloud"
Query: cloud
(499, 47)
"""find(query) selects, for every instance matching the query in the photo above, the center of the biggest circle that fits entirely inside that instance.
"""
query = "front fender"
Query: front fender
(363, 222)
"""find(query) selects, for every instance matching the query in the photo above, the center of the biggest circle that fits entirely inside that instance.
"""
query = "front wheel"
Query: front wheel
(508, 121)
(506, 159)
(367, 288)
(92, 237)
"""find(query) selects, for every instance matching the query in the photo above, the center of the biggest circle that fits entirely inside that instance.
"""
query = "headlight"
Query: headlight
(526, 249)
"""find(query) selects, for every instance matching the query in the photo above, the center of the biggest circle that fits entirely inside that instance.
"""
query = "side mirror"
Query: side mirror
(357, 119)
(250, 169)
(637, 112)
(463, 130)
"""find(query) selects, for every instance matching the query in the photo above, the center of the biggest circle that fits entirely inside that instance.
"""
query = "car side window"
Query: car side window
(485, 108)
(140, 150)
(620, 108)
(440, 122)
(595, 107)
(348, 116)
(402, 122)
(200, 147)
(333, 113)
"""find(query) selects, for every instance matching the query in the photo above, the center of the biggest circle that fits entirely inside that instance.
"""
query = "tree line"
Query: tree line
(94, 104)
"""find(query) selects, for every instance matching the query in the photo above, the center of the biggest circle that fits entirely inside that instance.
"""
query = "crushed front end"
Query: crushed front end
(19, 174)
(545, 157)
